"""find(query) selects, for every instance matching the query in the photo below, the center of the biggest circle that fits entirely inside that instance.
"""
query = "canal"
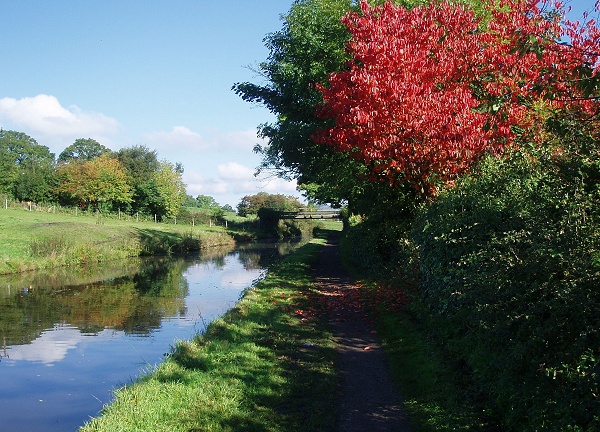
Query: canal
(70, 337)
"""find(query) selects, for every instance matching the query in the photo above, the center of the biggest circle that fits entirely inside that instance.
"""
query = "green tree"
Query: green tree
(251, 204)
(206, 202)
(166, 191)
(209, 205)
(26, 167)
(141, 164)
(83, 149)
(100, 182)
(190, 201)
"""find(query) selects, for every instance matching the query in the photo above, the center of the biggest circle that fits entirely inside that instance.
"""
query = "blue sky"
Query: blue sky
(130, 72)
(145, 72)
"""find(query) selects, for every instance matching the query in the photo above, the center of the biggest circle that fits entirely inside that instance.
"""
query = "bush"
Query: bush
(49, 247)
(509, 271)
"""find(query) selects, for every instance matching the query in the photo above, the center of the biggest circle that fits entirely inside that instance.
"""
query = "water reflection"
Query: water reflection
(133, 300)
(68, 338)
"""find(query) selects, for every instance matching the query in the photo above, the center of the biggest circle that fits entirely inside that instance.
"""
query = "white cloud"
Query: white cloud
(235, 171)
(179, 137)
(234, 180)
(44, 115)
(52, 346)
(279, 185)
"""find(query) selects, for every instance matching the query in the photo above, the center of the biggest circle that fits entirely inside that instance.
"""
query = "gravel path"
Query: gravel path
(369, 400)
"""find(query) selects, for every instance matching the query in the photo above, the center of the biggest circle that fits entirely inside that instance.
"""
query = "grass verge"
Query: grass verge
(437, 394)
(267, 365)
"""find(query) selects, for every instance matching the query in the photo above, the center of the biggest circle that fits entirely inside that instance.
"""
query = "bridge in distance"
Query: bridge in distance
(320, 214)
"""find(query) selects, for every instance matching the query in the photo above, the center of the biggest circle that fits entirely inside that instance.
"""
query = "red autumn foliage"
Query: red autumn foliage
(431, 89)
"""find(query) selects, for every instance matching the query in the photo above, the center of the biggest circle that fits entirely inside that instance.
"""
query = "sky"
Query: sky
(143, 72)
(146, 72)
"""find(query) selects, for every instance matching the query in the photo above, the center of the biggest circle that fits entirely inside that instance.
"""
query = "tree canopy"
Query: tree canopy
(26, 167)
(83, 149)
(90, 176)
(94, 183)
(251, 204)
(431, 89)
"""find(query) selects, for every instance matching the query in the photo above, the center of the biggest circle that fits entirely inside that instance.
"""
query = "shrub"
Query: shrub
(48, 247)
(509, 271)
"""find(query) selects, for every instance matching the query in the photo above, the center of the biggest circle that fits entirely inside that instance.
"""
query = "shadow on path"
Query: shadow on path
(368, 398)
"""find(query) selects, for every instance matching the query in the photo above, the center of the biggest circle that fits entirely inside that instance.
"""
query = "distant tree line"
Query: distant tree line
(90, 176)
(251, 204)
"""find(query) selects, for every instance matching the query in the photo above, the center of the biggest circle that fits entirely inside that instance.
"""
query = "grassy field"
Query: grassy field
(267, 365)
(36, 240)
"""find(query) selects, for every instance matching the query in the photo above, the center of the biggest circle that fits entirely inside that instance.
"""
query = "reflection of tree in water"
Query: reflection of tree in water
(70, 276)
(135, 304)
(215, 255)
(132, 296)
(23, 317)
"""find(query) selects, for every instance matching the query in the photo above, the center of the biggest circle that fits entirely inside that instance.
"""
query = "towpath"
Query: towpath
(368, 397)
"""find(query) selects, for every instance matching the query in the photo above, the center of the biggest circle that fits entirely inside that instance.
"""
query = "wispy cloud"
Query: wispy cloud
(236, 179)
(235, 171)
(183, 139)
(179, 137)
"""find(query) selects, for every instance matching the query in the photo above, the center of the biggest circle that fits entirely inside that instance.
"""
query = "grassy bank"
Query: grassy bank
(37, 240)
(267, 365)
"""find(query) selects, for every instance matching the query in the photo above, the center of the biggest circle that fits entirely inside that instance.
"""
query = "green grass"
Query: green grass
(267, 365)
(37, 240)
(432, 386)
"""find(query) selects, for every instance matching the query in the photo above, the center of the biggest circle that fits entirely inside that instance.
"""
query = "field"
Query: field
(35, 240)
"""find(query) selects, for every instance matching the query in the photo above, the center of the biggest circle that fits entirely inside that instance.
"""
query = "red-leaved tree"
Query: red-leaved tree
(429, 90)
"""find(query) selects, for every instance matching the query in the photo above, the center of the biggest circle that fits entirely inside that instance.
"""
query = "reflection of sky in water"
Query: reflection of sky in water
(64, 376)
(212, 293)
(52, 345)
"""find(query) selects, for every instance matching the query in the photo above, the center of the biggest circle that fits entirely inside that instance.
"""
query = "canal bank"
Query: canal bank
(32, 240)
(267, 364)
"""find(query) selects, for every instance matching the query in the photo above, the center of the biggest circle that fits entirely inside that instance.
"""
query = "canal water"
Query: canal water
(67, 339)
